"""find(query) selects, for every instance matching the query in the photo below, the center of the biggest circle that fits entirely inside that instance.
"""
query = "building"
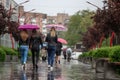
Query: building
(30, 17)
(61, 18)
(44, 30)
(51, 19)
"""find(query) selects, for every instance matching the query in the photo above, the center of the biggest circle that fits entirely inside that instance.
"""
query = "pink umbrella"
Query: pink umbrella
(61, 40)
(28, 26)
(58, 27)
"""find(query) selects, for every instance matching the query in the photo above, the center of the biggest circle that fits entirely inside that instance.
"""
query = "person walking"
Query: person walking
(68, 52)
(24, 41)
(35, 42)
(58, 52)
(52, 42)
(64, 53)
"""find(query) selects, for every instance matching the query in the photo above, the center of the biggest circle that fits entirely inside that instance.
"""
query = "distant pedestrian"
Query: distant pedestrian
(35, 43)
(64, 53)
(52, 42)
(58, 52)
(69, 53)
(44, 53)
(24, 42)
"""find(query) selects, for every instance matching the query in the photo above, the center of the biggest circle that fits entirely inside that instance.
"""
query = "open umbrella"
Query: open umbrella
(28, 26)
(58, 27)
(61, 40)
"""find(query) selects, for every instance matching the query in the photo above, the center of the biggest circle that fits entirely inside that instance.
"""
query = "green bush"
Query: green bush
(29, 53)
(15, 52)
(91, 53)
(9, 51)
(99, 53)
(102, 52)
(2, 55)
(115, 54)
(87, 54)
(83, 54)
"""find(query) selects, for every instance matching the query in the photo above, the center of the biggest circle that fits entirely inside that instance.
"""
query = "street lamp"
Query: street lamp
(24, 2)
(93, 5)
(11, 9)
(21, 3)
(31, 10)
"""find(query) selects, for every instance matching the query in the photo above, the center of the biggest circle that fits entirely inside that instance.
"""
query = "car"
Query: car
(75, 55)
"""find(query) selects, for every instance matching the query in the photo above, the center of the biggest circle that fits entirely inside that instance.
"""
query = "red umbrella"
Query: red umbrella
(28, 26)
(61, 40)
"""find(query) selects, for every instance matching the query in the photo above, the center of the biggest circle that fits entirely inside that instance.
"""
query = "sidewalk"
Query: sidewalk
(65, 71)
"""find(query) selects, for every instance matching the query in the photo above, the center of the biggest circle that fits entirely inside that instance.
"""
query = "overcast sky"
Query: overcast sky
(52, 7)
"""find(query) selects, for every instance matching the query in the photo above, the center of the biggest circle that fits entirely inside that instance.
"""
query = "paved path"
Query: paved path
(65, 71)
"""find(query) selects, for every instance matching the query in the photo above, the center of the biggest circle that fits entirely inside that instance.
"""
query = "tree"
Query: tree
(7, 26)
(106, 22)
(78, 25)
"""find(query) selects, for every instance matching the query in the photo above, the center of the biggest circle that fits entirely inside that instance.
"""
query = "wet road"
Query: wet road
(73, 70)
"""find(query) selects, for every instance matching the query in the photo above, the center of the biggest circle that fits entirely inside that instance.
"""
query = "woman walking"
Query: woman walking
(58, 52)
(52, 42)
(24, 46)
(35, 42)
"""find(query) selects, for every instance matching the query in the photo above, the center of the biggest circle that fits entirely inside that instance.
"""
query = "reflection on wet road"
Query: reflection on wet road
(65, 71)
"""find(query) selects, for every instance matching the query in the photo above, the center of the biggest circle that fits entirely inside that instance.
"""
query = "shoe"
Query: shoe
(33, 66)
(48, 66)
(24, 66)
(51, 68)
(36, 66)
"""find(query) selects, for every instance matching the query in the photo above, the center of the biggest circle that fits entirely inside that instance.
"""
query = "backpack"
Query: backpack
(35, 44)
(51, 41)
(68, 52)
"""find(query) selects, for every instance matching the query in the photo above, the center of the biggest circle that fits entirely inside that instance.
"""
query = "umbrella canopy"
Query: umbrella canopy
(58, 27)
(28, 26)
(61, 40)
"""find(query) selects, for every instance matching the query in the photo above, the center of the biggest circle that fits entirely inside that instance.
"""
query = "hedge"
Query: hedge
(2, 55)
(9, 51)
(115, 54)
(102, 52)
(106, 52)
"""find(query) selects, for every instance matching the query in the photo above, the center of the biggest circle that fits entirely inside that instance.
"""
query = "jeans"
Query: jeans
(24, 53)
(51, 54)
